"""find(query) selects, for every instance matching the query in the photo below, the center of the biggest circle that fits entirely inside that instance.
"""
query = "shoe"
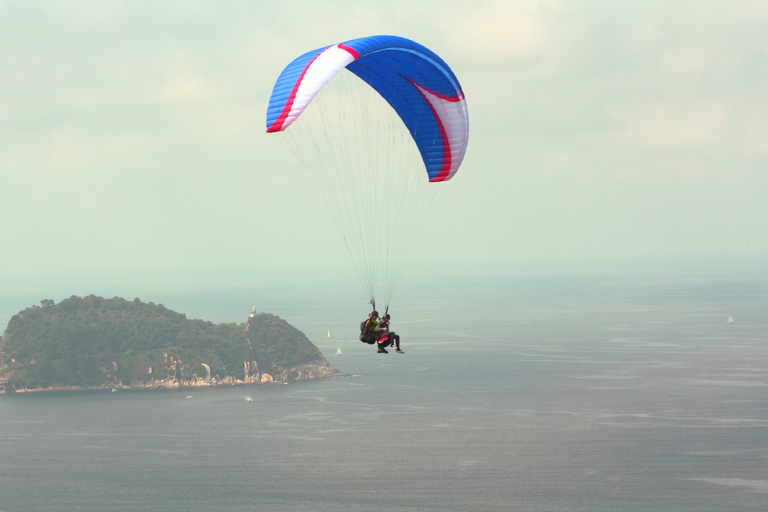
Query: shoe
(382, 351)
(400, 351)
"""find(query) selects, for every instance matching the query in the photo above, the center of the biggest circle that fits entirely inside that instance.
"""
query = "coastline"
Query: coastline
(279, 376)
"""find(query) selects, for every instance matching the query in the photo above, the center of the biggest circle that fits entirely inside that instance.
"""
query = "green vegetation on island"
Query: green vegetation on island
(92, 343)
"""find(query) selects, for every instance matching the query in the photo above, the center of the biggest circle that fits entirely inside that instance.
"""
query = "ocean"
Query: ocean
(607, 391)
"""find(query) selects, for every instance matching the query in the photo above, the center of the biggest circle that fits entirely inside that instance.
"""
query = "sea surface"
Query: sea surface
(562, 392)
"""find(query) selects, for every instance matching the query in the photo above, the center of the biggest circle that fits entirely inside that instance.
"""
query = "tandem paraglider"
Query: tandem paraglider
(377, 121)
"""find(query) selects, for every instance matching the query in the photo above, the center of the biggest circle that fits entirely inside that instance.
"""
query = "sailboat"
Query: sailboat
(338, 351)
(329, 334)
(730, 319)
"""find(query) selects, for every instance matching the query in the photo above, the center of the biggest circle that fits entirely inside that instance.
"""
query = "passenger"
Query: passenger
(387, 337)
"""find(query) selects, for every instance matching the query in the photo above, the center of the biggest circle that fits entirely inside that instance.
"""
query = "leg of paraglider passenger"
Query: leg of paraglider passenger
(397, 343)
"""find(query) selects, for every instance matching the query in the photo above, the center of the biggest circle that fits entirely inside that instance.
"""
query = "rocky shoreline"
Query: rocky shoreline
(278, 376)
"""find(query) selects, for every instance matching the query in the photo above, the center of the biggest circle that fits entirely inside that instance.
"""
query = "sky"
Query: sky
(132, 133)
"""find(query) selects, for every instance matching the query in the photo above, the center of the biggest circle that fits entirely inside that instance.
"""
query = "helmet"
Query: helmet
(374, 313)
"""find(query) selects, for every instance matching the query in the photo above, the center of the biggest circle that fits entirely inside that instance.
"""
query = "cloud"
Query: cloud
(670, 125)
(185, 90)
(754, 138)
(498, 31)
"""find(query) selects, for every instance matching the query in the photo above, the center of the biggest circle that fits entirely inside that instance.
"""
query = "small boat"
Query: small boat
(329, 334)
(730, 319)
(248, 398)
(338, 351)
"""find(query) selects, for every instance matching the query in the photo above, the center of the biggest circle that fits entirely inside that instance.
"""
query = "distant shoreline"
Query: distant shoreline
(307, 372)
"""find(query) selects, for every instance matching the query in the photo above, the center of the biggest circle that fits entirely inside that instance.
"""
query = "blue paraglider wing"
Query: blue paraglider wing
(417, 83)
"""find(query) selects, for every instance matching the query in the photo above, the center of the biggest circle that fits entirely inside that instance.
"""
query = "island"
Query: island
(93, 343)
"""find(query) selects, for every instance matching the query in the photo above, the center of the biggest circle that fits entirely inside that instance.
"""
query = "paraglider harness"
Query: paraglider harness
(367, 326)
(366, 331)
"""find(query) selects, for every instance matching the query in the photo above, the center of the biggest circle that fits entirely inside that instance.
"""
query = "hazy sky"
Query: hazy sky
(133, 133)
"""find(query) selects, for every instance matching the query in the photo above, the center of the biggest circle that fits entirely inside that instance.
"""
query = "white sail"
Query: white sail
(730, 318)
(329, 334)
(338, 351)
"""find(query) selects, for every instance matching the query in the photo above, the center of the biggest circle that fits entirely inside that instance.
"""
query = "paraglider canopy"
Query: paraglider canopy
(367, 117)
(415, 82)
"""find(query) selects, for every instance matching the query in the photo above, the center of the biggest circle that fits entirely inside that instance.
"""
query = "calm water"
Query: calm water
(591, 393)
